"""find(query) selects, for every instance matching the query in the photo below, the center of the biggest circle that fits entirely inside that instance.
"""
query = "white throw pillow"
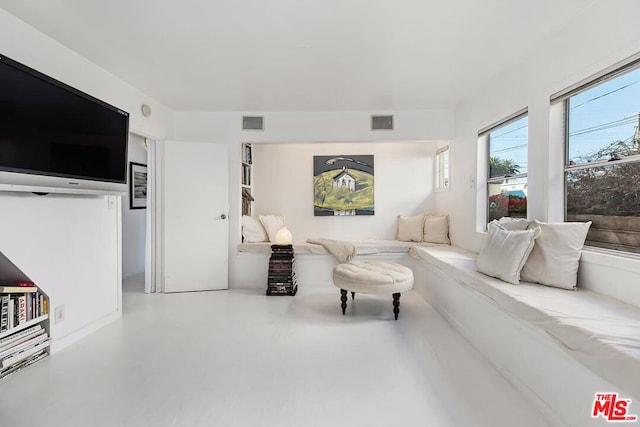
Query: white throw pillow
(555, 258)
(252, 230)
(272, 223)
(509, 223)
(436, 229)
(505, 252)
(410, 228)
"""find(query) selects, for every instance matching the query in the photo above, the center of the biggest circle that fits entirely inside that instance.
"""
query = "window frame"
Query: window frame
(563, 97)
(487, 178)
(440, 152)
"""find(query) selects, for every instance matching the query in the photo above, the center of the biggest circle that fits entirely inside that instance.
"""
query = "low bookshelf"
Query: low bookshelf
(24, 320)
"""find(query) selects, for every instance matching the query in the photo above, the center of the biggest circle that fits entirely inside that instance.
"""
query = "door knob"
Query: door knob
(223, 216)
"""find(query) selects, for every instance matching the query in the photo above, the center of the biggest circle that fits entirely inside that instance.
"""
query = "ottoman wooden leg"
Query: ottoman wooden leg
(396, 304)
(343, 298)
(353, 295)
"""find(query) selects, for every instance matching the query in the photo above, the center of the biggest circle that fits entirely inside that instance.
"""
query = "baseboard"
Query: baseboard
(59, 343)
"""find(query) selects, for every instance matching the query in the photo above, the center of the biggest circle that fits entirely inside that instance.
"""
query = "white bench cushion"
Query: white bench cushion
(363, 247)
(373, 277)
(599, 331)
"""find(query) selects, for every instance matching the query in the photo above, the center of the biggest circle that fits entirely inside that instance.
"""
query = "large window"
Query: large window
(602, 171)
(507, 168)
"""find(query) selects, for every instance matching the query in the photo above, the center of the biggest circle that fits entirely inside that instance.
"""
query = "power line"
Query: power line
(605, 94)
(608, 125)
(515, 147)
(511, 131)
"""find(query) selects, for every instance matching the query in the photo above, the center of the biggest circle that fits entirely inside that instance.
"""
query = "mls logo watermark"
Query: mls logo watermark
(612, 409)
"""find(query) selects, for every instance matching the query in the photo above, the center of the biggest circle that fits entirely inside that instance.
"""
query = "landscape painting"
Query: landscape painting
(343, 185)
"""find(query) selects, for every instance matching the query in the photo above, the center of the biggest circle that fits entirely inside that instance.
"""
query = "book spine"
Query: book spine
(12, 313)
(17, 289)
(14, 302)
(29, 307)
(4, 313)
(22, 309)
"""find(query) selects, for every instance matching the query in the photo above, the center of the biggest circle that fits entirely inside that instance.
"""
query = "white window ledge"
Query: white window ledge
(613, 259)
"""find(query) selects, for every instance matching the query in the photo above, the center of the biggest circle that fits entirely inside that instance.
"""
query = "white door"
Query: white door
(196, 205)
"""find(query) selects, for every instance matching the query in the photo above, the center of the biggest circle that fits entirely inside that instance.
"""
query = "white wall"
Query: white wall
(302, 127)
(134, 221)
(70, 245)
(600, 36)
(25, 44)
(283, 184)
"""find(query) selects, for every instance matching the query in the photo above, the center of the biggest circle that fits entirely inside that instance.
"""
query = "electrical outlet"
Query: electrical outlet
(59, 314)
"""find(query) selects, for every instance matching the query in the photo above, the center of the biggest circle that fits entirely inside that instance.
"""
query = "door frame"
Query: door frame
(155, 243)
(154, 271)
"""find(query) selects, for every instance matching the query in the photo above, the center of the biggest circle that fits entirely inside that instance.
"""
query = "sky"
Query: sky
(603, 114)
(597, 117)
(510, 142)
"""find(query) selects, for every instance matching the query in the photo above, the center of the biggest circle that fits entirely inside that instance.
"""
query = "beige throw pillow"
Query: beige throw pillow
(555, 258)
(252, 230)
(505, 252)
(436, 229)
(509, 223)
(410, 228)
(272, 223)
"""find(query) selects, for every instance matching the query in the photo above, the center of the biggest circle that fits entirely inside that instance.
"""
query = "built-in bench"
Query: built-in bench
(363, 247)
(314, 265)
(534, 334)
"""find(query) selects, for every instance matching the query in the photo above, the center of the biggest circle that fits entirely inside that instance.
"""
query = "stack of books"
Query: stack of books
(22, 348)
(23, 336)
(19, 304)
(282, 274)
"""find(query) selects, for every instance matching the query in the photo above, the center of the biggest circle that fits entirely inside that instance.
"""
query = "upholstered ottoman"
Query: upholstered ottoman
(373, 277)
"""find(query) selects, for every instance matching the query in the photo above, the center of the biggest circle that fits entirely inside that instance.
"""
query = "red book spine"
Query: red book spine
(22, 309)
(25, 284)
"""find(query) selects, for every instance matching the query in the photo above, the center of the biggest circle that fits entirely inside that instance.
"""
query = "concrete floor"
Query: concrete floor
(239, 358)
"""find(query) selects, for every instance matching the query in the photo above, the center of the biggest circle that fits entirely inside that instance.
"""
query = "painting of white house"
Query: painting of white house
(343, 185)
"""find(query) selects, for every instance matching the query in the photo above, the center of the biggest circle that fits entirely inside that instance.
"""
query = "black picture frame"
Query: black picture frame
(137, 185)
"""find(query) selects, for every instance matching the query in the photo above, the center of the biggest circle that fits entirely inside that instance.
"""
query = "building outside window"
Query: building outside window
(442, 168)
(602, 167)
(507, 168)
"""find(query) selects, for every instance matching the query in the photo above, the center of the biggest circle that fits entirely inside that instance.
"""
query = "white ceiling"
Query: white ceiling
(297, 55)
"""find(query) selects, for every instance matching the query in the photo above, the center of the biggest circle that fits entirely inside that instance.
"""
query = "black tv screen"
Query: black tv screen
(49, 128)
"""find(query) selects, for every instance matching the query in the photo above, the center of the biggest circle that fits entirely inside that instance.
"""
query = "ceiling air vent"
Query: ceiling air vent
(252, 123)
(382, 122)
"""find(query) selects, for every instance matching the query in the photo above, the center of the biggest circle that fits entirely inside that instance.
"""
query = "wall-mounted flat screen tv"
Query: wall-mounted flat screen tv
(53, 135)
